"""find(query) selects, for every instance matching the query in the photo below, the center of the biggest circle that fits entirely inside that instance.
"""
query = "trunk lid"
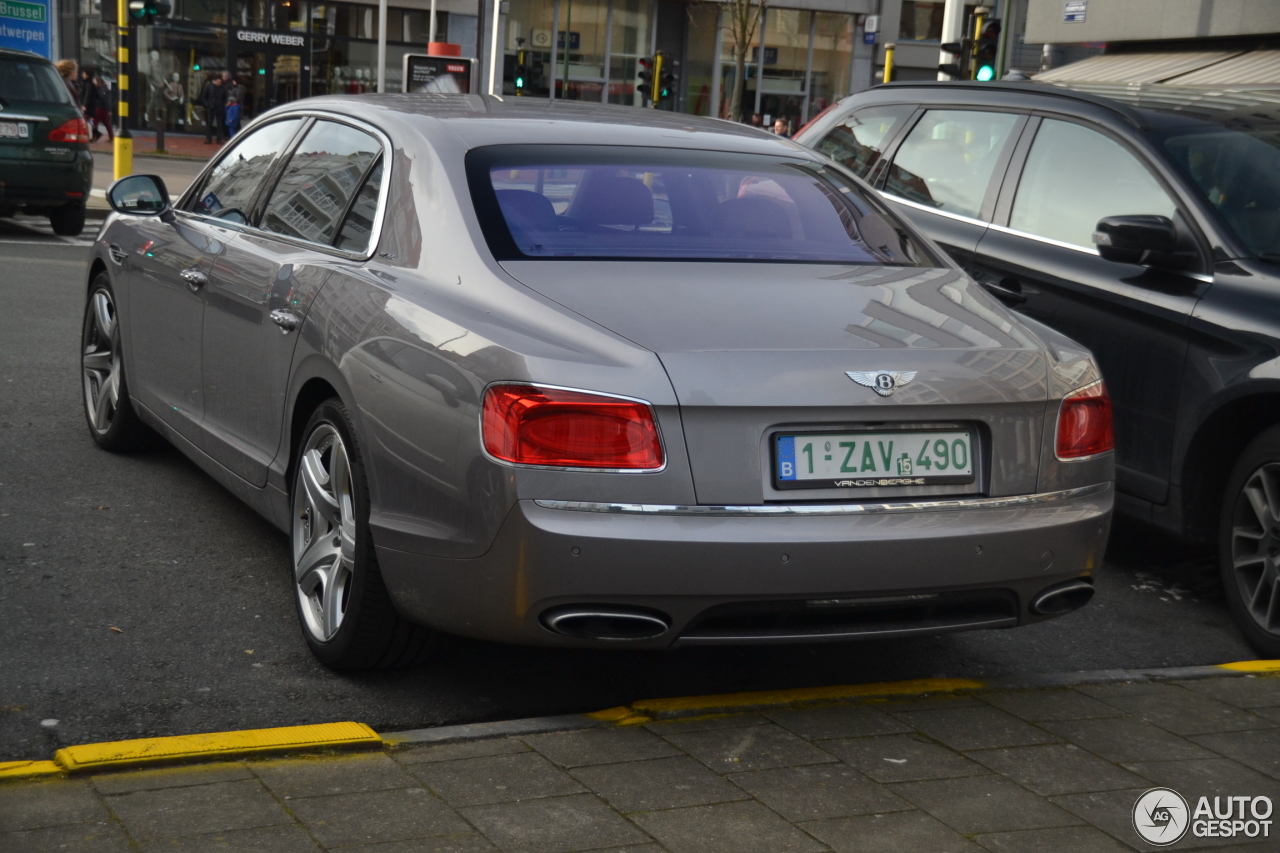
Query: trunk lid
(752, 349)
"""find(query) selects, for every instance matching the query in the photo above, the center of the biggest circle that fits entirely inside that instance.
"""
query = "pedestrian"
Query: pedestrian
(213, 97)
(102, 112)
(69, 69)
(90, 98)
(233, 116)
(757, 120)
(83, 85)
(780, 128)
(236, 90)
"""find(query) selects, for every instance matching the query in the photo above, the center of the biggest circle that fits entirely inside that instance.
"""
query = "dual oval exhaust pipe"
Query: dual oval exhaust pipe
(1062, 598)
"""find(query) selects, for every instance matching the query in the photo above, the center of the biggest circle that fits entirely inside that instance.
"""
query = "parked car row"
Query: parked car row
(1146, 226)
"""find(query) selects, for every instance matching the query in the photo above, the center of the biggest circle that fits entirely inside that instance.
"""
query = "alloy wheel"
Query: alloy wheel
(1255, 546)
(324, 532)
(101, 360)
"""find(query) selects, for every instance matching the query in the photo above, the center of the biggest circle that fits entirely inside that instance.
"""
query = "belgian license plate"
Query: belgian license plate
(13, 130)
(865, 459)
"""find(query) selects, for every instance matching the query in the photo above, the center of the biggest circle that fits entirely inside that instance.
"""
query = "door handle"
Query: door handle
(194, 279)
(1007, 290)
(286, 320)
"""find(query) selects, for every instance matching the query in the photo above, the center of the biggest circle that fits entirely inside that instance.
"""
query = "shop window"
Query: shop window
(270, 14)
(317, 186)
(832, 55)
(922, 21)
(201, 11)
(947, 160)
(417, 27)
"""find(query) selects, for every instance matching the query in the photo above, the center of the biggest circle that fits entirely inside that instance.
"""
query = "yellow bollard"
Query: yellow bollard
(888, 62)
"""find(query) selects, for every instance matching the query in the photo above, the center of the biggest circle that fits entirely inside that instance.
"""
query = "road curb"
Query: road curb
(188, 749)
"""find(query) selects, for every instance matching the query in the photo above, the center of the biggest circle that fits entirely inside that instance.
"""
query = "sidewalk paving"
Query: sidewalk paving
(175, 145)
(1012, 771)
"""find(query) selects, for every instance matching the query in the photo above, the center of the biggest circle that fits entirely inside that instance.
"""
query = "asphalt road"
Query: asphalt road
(137, 597)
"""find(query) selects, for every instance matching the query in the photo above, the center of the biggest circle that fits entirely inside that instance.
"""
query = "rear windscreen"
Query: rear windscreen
(31, 81)
(672, 204)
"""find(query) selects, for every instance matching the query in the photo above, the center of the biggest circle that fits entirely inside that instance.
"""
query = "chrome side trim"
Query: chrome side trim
(1048, 240)
(927, 209)
(22, 117)
(790, 510)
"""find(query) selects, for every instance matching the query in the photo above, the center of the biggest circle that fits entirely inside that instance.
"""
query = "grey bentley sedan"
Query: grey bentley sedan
(576, 375)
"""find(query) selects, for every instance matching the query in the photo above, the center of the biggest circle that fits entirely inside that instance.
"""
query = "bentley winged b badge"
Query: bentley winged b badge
(883, 382)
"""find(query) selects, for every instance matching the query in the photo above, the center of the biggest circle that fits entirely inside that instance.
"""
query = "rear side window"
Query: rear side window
(34, 82)
(1075, 176)
(613, 202)
(320, 181)
(947, 160)
(858, 141)
(358, 226)
(229, 190)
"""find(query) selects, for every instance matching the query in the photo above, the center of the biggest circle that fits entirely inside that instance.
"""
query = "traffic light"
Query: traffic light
(988, 48)
(959, 69)
(668, 79)
(648, 64)
(522, 72)
(145, 12)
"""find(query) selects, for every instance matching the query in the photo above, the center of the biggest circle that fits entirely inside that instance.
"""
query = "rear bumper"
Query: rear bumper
(984, 560)
(41, 183)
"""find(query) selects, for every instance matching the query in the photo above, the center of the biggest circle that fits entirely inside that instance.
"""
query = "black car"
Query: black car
(45, 165)
(1145, 224)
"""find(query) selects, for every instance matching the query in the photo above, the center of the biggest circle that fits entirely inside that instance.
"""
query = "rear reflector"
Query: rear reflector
(75, 130)
(569, 429)
(1084, 423)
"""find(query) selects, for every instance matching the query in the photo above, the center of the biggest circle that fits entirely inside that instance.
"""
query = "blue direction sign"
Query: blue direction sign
(24, 25)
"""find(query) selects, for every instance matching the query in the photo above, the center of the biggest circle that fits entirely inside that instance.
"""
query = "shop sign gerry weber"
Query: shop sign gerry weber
(259, 37)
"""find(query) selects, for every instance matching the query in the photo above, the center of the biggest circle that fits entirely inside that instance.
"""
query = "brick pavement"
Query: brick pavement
(1012, 771)
(175, 144)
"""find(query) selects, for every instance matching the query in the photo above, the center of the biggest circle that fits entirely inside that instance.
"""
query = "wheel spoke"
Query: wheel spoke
(1258, 502)
(1273, 606)
(1270, 492)
(99, 360)
(1245, 533)
(102, 315)
(103, 407)
(314, 480)
(319, 558)
(331, 604)
(1249, 560)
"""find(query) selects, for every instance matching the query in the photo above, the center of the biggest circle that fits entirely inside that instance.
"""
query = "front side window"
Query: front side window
(542, 202)
(229, 190)
(947, 160)
(1237, 170)
(1075, 176)
(317, 186)
(858, 141)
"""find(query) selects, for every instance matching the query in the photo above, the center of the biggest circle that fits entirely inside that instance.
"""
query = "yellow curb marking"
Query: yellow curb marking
(1252, 666)
(27, 769)
(135, 753)
(764, 698)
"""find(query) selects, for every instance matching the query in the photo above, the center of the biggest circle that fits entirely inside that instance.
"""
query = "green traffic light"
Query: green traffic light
(519, 82)
(986, 73)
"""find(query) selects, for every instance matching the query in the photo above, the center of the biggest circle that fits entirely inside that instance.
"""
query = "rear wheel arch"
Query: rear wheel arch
(1212, 453)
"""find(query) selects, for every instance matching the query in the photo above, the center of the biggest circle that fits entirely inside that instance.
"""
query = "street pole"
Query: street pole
(952, 31)
(382, 46)
(494, 87)
(431, 27)
(123, 149)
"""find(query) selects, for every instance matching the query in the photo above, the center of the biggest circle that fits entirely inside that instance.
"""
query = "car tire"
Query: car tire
(68, 220)
(112, 421)
(1249, 543)
(344, 608)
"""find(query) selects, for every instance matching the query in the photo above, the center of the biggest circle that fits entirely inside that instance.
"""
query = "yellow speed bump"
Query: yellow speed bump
(687, 705)
(1252, 666)
(184, 748)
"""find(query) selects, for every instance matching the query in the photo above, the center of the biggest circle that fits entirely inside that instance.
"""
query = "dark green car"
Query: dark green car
(45, 164)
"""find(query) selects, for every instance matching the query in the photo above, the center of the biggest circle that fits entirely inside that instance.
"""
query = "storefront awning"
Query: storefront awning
(1130, 68)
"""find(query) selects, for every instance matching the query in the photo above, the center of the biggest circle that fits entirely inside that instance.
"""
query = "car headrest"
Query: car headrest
(614, 200)
(527, 210)
(753, 217)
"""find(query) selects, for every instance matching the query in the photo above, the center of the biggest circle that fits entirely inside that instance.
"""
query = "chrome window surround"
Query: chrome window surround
(1208, 279)
(794, 510)
(657, 424)
(375, 233)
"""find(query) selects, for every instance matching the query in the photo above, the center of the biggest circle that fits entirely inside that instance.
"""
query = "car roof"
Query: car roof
(1026, 94)
(490, 120)
(9, 53)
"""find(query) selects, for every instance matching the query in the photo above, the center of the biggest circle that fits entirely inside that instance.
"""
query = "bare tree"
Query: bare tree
(743, 19)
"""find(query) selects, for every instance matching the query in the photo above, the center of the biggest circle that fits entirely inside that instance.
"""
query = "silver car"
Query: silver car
(575, 375)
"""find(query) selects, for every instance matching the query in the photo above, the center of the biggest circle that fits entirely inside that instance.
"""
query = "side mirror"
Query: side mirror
(140, 195)
(1132, 239)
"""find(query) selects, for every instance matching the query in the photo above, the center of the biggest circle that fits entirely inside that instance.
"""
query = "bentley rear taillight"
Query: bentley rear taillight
(529, 425)
(1084, 423)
